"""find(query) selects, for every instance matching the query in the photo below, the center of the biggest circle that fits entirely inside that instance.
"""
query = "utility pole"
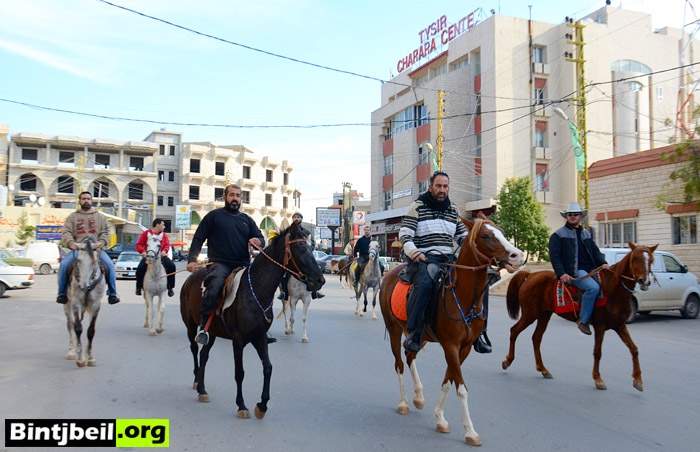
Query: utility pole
(577, 41)
(440, 136)
(80, 170)
(533, 153)
(347, 213)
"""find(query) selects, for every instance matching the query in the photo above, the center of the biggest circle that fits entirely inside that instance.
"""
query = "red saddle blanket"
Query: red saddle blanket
(566, 299)
(399, 300)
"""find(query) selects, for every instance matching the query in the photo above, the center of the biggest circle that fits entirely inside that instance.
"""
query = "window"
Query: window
(541, 177)
(423, 155)
(245, 197)
(160, 200)
(437, 70)
(460, 63)
(194, 192)
(539, 96)
(66, 158)
(218, 194)
(161, 176)
(171, 176)
(65, 184)
(387, 200)
(541, 134)
(102, 161)
(285, 202)
(403, 120)
(168, 225)
(685, 229)
(136, 163)
(194, 165)
(268, 175)
(136, 190)
(388, 165)
(172, 149)
(100, 189)
(27, 182)
(420, 113)
(171, 201)
(162, 149)
(672, 265)
(539, 55)
(285, 178)
(659, 93)
(246, 172)
(618, 234)
(220, 168)
(30, 155)
(423, 186)
(268, 199)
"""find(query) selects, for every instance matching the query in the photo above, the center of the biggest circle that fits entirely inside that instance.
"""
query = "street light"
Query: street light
(579, 153)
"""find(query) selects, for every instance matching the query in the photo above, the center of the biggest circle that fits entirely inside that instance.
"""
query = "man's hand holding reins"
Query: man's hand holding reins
(192, 267)
(255, 242)
(566, 278)
(418, 257)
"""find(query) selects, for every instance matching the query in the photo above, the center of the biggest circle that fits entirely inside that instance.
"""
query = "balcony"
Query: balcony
(543, 197)
(477, 83)
(543, 110)
(388, 147)
(540, 68)
(244, 182)
(248, 208)
(288, 189)
(270, 186)
(194, 175)
(269, 163)
(271, 210)
(542, 153)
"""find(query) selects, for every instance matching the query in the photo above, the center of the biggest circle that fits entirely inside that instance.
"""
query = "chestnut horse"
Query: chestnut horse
(534, 292)
(457, 317)
(250, 316)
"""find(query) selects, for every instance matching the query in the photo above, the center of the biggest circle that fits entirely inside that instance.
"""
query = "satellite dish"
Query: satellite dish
(41, 201)
(32, 197)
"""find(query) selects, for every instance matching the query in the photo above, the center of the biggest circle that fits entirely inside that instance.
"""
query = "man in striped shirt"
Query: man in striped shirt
(428, 233)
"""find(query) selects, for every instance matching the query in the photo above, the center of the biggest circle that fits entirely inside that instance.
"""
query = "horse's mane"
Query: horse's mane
(474, 232)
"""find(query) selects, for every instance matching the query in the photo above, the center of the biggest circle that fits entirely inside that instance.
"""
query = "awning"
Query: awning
(130, 227)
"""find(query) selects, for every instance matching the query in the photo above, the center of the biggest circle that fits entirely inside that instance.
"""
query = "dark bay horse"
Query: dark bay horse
(250, 316)
(533, 293)
(458, 320)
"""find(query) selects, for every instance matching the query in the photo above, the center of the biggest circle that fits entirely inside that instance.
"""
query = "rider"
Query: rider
(361, 250)
(228, 232)
(574, 254)
(86, 222)
(157, 229)
(427, 233)
(296, 219)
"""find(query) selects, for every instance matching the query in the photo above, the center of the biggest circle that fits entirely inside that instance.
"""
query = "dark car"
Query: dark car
(117, 249)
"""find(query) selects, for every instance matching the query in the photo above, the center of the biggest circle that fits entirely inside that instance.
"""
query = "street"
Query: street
(339, 392)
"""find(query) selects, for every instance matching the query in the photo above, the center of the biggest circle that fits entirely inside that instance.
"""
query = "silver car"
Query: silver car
(126, 265)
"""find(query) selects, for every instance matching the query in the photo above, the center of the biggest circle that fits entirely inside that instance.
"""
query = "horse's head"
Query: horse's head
(641, 259)
(86, 270)
(373, 250)
(300, 258)
(153, 246)
(487, 243)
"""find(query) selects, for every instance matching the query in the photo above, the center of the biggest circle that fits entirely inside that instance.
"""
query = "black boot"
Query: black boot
(171, 292)
(138, 291)
(412, 343)
(315, 295)
(482, 344)
(62, 299)
(202, 337)
(113, 299)
(271, 340)
(282, 296)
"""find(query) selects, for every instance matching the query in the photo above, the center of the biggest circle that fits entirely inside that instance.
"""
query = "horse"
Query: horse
(250, 316)
(451, 327)
(85, 292)
(371, 277)
(533, 294)
(154, 285)
(297, 292)
(344, 271)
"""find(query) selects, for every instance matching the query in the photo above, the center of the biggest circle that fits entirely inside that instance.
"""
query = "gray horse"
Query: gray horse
(85, 292)
(154, 285)
(371, 277)
(297, 291)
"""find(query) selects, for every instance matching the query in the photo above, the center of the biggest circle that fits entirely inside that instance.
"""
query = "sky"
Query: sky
(87, 56)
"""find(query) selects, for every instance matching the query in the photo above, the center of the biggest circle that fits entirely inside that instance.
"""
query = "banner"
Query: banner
(183, 217)
(327, 217)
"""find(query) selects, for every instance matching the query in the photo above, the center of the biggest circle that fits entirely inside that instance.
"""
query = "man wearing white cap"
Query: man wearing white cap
(574, 254)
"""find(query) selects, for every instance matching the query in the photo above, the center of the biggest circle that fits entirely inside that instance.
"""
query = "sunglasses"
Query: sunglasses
(573, 214)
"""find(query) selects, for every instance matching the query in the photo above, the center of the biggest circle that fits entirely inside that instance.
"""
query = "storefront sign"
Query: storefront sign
(183, 215)
(438, 32)
(327, 217)
(402, 193)
(377, 229)
(48, 232)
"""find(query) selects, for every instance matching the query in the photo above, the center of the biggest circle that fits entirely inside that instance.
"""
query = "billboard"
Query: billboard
(325, 233)
(183, 217)
(48, 232)
(327, 217)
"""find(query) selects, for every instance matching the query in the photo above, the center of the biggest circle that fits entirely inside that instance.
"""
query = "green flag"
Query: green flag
(578, 149)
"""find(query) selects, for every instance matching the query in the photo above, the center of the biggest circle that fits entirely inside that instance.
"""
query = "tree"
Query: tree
(25, 231)
(521, 218)
(689, 173)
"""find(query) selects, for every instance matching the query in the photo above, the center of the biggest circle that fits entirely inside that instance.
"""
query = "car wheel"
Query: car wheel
(45, 269)
(3, 288)
(633, 311)
(691, 308)
(644, 312)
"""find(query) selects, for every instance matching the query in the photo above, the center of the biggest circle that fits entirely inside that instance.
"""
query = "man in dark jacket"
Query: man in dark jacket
(574, 254)
(296, 218)
(228, 232)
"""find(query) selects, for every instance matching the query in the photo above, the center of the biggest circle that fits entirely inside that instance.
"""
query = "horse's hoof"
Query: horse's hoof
(152, 333)
(473, 440)
(505, 364)
(402, 409)
(600, 385)
(80, 363)
(145, 324)
(419, 403)
(71, 356)
(287, 333)
(638, 385)
(259, 413)
(547, 375)
(442, 428)
(92, 362)
(204, 398)
(305, 340)
(374, 316)
(243, 414)
(159, 330)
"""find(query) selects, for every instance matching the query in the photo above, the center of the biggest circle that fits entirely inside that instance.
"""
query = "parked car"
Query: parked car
(15, 277)
(126, 264)
(11, 258)
(673, 287)
(118, 249)
(45, 256)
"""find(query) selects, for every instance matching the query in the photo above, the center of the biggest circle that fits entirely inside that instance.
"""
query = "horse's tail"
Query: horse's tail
(512, 301)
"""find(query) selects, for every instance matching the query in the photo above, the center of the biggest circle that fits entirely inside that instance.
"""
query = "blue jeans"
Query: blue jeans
(68, 260)
(590, 288)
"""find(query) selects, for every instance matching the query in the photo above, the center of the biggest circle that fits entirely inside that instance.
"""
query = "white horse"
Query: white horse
(297, 291)
(371, 277)
(154, 285)
(85, 292)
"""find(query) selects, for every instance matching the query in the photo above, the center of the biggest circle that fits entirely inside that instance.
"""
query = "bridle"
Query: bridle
(94, 277)
(288, 257)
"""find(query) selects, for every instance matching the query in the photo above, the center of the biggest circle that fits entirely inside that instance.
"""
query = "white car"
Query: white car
(46, 256)
(203, 255)
(14, 277)
(126, 264)
(672, 286)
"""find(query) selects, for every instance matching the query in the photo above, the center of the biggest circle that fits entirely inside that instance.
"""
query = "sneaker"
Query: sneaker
(113, 299)
(584, 328)
(61, 299)
(138, 291)
(171, 292)
(202, 337)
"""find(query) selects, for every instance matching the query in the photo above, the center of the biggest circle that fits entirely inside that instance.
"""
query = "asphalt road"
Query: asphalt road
(339, 392)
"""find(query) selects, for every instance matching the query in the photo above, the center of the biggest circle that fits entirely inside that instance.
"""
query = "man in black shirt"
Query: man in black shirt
(228, 232)
(296, 218)
(361, 250)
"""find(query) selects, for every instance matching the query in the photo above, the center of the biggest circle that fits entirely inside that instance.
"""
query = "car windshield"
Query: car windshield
(129, 257)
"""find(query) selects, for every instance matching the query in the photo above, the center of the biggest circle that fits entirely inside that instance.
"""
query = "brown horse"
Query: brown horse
(534, 292)
(250, 316)
(457, 320)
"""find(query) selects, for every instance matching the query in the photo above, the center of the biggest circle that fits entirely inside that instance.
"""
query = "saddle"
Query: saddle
(567, 299)
(228, 293)
(69, 274)
(403, 287)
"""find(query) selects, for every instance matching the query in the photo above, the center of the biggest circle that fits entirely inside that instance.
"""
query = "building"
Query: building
(169, 174)
(633, 199)
(4, 146)
(490, 129)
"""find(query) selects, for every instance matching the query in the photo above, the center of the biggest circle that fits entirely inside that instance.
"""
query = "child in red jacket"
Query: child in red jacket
(142, 248)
